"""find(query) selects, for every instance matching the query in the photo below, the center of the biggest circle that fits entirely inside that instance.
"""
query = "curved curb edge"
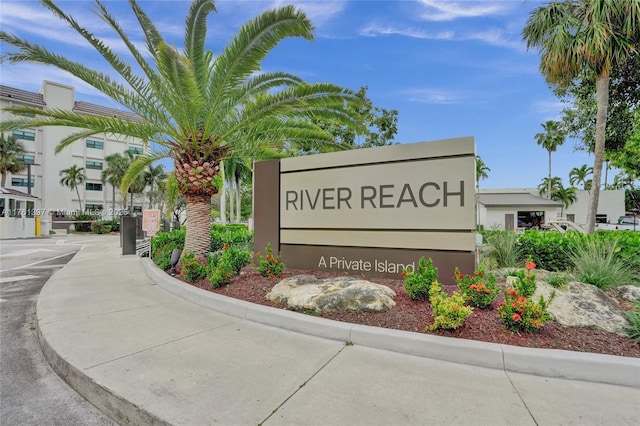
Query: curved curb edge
(108, 402)
(555, 363)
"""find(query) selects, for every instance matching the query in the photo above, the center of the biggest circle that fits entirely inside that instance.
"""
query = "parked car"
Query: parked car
(631, 223)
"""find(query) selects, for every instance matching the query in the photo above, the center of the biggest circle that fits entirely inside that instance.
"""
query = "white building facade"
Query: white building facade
(55, 200)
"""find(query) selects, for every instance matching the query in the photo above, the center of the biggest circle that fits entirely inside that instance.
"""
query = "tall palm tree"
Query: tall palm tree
(11, 157)
(580, 175)
(72, 177)
(550, 140)
(481, 171)
(117, 165)
(152, 176)
(194, 104)
(577, 35)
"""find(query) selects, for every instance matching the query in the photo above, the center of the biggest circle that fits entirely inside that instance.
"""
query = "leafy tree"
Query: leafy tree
(550, 140)
(11, 157)
(566, 196)
(381, 126)
(574, 37)
(481, 171)
(194, 104)
(72, 178)
(176, 202)
(580, 175)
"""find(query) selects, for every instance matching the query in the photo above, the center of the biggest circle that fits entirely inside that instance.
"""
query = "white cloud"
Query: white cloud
(374, 30)
(496, 37)
(319, 12)
(432, 96)
(548, 109)
(440, 10)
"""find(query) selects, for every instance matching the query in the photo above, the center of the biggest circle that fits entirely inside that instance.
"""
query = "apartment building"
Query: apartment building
(42, 176)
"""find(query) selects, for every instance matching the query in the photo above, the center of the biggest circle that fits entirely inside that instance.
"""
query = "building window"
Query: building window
(135, 150)
(22, 182)
(530, 219)
(137, 209)
(29, 159)
(93, 207)
(31, 209)
(25, 135)
(95, 144)
(96, 165)
(2, 207)
(90, 186)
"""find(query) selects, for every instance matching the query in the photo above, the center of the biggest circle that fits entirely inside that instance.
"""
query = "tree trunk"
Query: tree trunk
(549, 183)
(223, 198)
(238, 201)
(113, 202)
(232, 193)
(151, 198)
(79, 200)
(4, 179)
(198, 238)
(602, 101)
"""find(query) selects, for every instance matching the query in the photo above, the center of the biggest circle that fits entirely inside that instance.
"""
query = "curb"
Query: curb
(555, 363)
(115, 407)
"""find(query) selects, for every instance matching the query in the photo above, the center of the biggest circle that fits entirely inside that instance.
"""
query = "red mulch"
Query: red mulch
(415, 316)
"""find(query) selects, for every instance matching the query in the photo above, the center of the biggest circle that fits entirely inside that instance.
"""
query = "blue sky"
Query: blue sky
(450, 68)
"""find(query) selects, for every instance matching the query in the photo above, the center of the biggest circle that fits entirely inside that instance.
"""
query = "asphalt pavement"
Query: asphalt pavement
(31, 393)
(147, 349)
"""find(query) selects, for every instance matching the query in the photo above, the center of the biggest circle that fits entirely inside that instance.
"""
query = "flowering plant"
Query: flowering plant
(479, 290)
(193, 269)
(520, 313)
(417, 282)
(269, 266)
(449, 312)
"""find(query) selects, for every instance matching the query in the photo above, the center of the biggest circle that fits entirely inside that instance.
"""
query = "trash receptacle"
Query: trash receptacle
(128, 234)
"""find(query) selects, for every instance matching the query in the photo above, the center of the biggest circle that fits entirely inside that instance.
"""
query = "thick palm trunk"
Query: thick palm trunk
(223, 198)
(198, 238)
(232, 194)
(602, 101)
(4, 179)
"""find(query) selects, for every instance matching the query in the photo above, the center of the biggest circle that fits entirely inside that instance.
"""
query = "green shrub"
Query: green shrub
(502, 246)
(597, 262)
(449, 312)
(193, 269)
(480, 290)
(633, 328)
(226, 265)
(418, 282)
(82, 226)
(520, 313)
(548, 249)
(233, 235)
(269, 266)
(101, 227)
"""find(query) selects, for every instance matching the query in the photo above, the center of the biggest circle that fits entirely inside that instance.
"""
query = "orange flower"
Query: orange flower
(511, 292)
(516, 317)
(529, 265)
(501, 304)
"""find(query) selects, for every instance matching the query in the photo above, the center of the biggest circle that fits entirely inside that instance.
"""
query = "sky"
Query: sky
(450, 68)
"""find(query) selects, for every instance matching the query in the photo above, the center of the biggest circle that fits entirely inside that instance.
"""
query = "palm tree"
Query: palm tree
(72, 178)
(550, 140)
(566, 196)
(548, 187)
(117, 165)
(580, 175)
(481, 171)
(11, 157)
(194, 104)
(152, 176)
(587, 35)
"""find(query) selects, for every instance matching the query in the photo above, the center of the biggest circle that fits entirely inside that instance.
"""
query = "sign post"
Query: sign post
(151, 221)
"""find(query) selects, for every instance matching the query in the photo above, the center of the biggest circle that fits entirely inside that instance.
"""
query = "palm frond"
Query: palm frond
(195, 36)
(135, 171)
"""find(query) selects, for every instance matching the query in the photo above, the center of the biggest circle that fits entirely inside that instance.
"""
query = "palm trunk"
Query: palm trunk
(113, 202)
(223, 198)
(602, 101)
(238, 201)
(79, 200)
(4, 178)
(198, 238)
(232, 194)
(549, 193)
(151, 198)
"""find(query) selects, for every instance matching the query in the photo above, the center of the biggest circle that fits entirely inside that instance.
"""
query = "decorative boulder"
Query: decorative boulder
(629, 293)
(306, 292)
(583, 305)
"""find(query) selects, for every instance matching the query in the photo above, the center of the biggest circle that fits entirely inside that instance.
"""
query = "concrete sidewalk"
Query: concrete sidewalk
(145, 356)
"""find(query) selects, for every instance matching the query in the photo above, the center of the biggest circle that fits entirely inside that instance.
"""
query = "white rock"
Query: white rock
(306, 292)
